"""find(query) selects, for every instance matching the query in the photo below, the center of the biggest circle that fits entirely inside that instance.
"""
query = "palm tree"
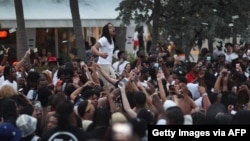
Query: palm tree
(80, 44)
(22, 44)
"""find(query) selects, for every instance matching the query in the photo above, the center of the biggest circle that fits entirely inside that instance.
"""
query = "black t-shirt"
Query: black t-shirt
(72, 133)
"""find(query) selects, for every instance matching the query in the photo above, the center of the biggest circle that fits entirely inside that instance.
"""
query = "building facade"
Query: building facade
(49, 25)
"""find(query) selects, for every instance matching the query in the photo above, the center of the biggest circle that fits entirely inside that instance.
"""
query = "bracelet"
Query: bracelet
(5, 55)
(205, 94)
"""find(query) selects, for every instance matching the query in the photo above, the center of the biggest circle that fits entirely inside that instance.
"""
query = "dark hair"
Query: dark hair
(64, 110)
(68, 71)
(92, 40)
(55, 99)
(140, 98)
(7, 71)
(69, 89)
(199, 118)
(90, 92)
(101, 118)
(120, 53)
(228, 44)
(189, 66)
(105, 33)
(139, 126)
(8, 110)
(175, 115)
(146, 115)
(43, 95)
(241, 118)
(81, 108)
(33, 76)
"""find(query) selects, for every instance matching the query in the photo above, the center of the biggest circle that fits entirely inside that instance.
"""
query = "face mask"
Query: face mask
(156, 65)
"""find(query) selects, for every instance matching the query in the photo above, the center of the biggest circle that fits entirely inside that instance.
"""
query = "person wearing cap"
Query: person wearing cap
(9, 132)
(104, 49)
(27, 124)
(8, 116)
(221, 63)
(53, 68)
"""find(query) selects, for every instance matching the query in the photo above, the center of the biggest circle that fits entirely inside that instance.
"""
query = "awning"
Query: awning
(59, 23)
(56, 13)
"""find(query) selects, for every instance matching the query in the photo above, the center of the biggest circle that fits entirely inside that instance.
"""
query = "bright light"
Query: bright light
(231, 24)
(235, 17)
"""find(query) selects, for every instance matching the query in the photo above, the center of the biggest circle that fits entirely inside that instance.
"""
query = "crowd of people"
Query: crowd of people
(116, 100)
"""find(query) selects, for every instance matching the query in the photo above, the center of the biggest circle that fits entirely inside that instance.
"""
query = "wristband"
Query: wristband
(205, 94)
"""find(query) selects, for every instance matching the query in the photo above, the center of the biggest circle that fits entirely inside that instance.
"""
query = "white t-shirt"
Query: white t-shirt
(106, 47)
(55, 78)
(1, 80)
(193, 88)
(231, 57)
(32, 94)
(13, 84)
(135, 36)
(121, 67)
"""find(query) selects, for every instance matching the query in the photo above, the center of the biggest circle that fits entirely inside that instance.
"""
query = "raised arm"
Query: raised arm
(160, 86)
(127, 108)
(23, 60)
(217, 85)
(148, 98)
(5, 56)
(205, 99)
(75, 93)
(105, 75)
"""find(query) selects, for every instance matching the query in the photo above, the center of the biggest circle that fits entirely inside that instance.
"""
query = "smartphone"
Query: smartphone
(37, 104)
(123, 82)
(1, 52)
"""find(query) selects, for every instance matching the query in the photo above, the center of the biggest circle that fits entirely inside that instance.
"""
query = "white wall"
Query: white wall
(129, 39)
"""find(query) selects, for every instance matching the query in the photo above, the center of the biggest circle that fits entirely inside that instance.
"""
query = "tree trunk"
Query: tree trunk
(22, 45)
(234, 36)
(141, 38)
(155, 34)
(80, 43)
(210, 45)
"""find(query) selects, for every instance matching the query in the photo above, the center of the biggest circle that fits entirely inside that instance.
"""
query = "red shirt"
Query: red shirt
(190, 77)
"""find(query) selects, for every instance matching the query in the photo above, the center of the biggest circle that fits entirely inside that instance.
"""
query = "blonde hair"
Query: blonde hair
(118, 117)
(48, 75)
(7, 91)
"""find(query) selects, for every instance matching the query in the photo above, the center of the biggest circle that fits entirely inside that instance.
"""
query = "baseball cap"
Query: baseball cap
(52, 59)
(9, 132)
